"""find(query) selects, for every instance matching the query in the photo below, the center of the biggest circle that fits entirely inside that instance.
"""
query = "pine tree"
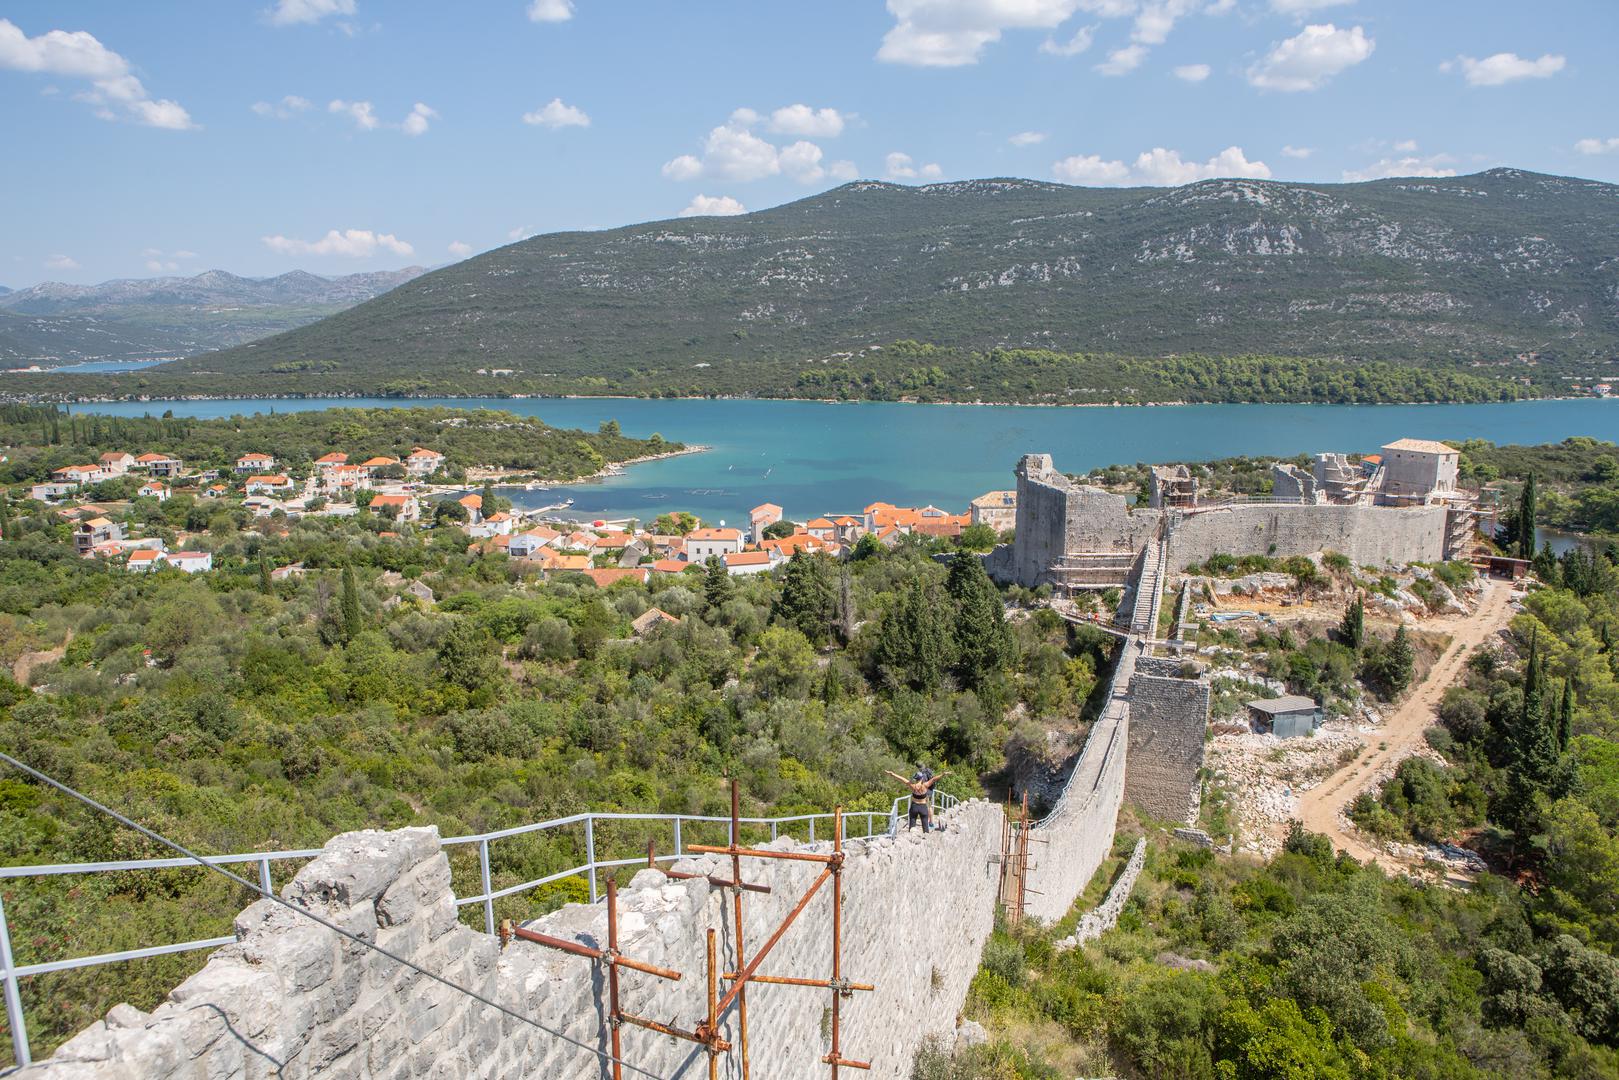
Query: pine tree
(846, 609)
(264, 573)
(1526, 519)
(1546, 566)
(56, 429)
(1531, 752)
(716, 585)
(350, 606)
(1353, 627)
(807, 602)
(982, 640)
(1401, 661)
(488, 497)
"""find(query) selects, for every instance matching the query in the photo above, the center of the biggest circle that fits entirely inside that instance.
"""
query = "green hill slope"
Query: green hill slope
(1453, 271)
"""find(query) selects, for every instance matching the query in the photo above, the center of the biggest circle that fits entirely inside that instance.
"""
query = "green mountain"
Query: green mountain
(1455, 271)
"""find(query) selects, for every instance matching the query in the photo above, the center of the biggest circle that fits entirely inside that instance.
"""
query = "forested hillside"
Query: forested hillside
(1464, 269)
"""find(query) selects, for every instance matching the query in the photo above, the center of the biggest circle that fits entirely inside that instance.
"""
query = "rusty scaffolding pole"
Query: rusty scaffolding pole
(747, 970)
(1015, 861)
(616, 1017)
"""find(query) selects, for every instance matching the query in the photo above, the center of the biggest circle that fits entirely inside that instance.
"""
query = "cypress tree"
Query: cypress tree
(716, 585)
(1532, 752)
(982, 641)
(914, 642)
(265, 585)
(1353, 627)
(1401, 660)
(1565, 716)
(807, 601)
(5, 514)
(1526, 519)
(350, 605)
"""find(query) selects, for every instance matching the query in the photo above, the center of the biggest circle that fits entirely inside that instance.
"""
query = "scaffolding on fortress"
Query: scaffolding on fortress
(707, 1031)
(1015, 865)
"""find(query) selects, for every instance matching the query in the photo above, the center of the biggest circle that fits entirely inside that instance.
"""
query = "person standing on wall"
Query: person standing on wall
(921, 785)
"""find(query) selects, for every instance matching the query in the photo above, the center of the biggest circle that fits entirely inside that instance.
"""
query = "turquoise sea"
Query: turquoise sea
(817, 458)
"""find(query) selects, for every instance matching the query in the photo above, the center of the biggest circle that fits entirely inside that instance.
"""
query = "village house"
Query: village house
(997, 509)
(255, 462)
(749, 562)
(192, 562)
(497, 524)
(652, 618)
(635, 552)
(144, 560)
(669, 566)
(401, 507)
(422, 462)
(558, 561)
(702, 544)
(217, 491)
(160, 465)
(78, 474)
(605, 577)
(761, 517)
(343, 477)
(822, 528)
(525, 545)
(98, 530)
(276, 484)
(288, 572)
(154, 489)
(116, 462)
(474, 507)
(48, 493)
(371, 465)
(326, 462)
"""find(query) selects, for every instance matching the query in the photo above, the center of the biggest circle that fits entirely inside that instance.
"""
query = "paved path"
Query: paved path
(1320, 806)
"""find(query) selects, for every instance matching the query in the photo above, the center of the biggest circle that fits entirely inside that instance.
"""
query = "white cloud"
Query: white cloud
(950, 33)
(521, 232)
(1091, 169)
(156, 260)
(902, 167)
(1297, 151)
(733, 152)
(285, 109)
(61, 262)
(1158, 168)
(1597, 146)
(79, 55)
(1158, 17)
(1405, 146)
(416, 122)
(1124, 60)
(183, 254)
(1404, 166)
(1192, 73)
(556, 115)
(1307, 60)
(550, 10)
(460, 248)
(1504, 67)
(1080, 42)
(361, 112)
(1027, 138)
(292, 12)
(713, 206)
(162, 264)
(843, 170)
(802, 120)
(1304, 7)
(350, 243)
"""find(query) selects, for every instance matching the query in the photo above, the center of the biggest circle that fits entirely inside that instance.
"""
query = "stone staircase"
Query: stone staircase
(1139, 611)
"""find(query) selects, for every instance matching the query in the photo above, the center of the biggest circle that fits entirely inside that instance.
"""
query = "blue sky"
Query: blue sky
(344, 135)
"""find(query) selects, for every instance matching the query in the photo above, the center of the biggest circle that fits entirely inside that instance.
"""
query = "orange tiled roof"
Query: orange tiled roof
(714, 534)
(669, 566)
(612, 575)
(748, 558)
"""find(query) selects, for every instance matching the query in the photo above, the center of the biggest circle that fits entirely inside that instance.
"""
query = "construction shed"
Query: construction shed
(1286, 717)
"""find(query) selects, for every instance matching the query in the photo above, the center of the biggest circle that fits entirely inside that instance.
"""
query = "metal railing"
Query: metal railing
(11, 972)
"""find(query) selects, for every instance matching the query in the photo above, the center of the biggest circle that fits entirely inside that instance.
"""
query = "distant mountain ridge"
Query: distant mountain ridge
(163, 318)
(1458, 269)
(209, 287)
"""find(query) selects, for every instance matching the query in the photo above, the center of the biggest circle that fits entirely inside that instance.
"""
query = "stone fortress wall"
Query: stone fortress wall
(291, 999)
(1169, 715)
(1058, 519)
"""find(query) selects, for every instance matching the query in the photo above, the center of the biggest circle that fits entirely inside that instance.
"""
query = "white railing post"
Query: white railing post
(488, 900)
(265, 884)
(19, 1027)
(812, 830)
(590, 852)
(680, 849)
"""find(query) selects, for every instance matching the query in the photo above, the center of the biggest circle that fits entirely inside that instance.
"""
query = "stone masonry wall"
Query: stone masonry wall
(291, 999)
(1369, 535)
(1168, 718)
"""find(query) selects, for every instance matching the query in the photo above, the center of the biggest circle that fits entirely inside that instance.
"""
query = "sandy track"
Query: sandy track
(1321, 805)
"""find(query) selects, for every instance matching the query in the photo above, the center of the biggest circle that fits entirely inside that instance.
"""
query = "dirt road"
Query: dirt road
(1320, 806)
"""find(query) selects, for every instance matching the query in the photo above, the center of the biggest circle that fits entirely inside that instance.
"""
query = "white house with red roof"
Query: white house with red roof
(255, 462)
(154, 489)
(159, 464)
(143, 560)
(760, 518)
(423, 462)
(276, 484)
(402, 507)
(701, 544)
(750, 562)
(192, 562)
(79, 474)
(116, 462)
